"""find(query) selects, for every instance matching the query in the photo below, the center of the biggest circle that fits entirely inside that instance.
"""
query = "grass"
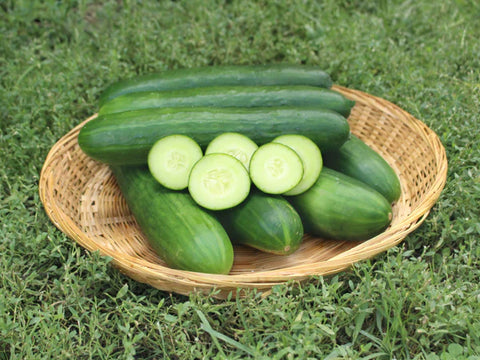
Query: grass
(419, 300)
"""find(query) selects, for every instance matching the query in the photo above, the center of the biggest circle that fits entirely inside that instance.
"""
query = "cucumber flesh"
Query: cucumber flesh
(218, 182)
(238, 145)
(275, 168)
(311, 159)
(171, 159)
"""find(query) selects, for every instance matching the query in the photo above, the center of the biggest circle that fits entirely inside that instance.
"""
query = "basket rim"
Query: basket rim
(262, 278)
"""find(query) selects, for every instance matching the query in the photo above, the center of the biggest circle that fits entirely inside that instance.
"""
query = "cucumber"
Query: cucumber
(232, 96)
(265, 222)
(235, 144)
(342, 208)
(126, 138)
(185, 236)
(251, 75)
(171, 159)
(311, 158)
(356, 159)
(218, 181)
(275, 168)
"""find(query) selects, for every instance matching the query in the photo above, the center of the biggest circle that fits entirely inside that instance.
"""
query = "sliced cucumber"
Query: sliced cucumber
(311, 159)
(218, 181)
(238, 145)
(171, 159)
(275, 168)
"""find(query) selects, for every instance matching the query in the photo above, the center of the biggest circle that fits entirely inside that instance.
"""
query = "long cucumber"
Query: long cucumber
(356, 159)
(233, 96)
(185, 236)
(250, 75)
(268, 223)
(125, 138)
(340, 207)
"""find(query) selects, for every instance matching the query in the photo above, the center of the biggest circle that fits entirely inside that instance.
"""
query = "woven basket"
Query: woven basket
(82, 199)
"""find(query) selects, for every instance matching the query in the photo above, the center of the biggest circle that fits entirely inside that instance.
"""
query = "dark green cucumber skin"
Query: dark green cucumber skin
(267, 223)
(219, 76)
(342, 208)
(185, 236)
(125, 138)
(356, 159)
(233, 96)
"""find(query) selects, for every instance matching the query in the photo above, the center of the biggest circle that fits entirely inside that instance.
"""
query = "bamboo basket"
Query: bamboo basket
(82, 199)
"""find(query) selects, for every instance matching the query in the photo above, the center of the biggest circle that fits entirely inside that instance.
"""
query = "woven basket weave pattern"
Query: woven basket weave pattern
(82, 199)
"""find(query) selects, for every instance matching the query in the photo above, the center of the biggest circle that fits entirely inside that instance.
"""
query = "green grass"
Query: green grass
(419, 300)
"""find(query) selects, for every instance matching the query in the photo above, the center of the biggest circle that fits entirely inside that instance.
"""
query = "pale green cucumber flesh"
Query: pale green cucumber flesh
(342, 208)
(171, 159)
(218, 181)
(237, 145)
(275, 168)
(311, 158)
(185, 236)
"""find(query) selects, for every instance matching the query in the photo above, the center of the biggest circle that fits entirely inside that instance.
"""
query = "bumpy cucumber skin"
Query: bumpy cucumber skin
(342, 208)
(183, 235)
(125, 138)
(233, 96)
(356, 159)
(265, 222)
(251, 75)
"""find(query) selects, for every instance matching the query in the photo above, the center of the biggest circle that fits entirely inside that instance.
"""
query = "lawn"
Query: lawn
(419, 300)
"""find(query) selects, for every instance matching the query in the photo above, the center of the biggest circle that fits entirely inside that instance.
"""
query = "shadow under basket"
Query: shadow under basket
(81, 197)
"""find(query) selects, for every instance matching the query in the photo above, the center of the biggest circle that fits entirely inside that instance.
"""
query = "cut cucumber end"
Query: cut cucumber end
(275, 168)
(171, 159)
(219, 181)
(311, 157)
(238, 145)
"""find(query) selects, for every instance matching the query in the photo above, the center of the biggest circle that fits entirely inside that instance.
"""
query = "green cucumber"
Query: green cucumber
(126, 138)
(235, 144)
(275, 168)
(342, 208)
(232, 96)
(311, 158)
(251, 75)
(218, 181)
(265, 222)
(171, 159)
(356, 159)
(185, 236)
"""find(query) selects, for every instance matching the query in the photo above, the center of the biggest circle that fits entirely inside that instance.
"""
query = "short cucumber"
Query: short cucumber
(232, 96)
(251, 75)
(171, 159)
(218, 181)
(235, 144)
(185, 236)
(265, 222)
(126, 138)
(311, 159)
(275, 168)
(356, 159)
(342, 208)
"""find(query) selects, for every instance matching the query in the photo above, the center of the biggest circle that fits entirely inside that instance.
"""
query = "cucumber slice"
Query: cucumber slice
(311, 159)
(171, 159)
(238, 145)
(275, 168)
(218, 181)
